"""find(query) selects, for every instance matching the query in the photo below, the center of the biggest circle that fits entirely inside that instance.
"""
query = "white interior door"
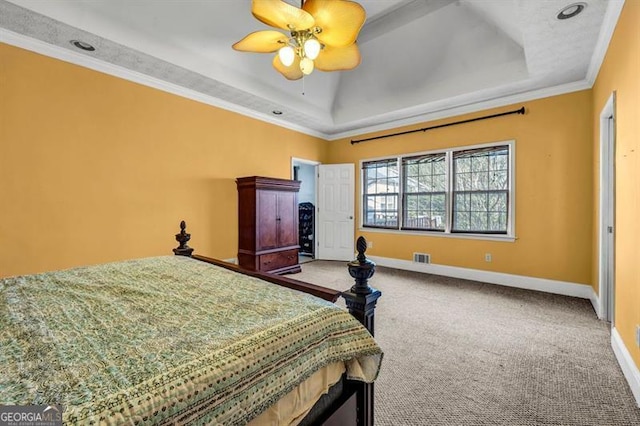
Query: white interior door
(336, 186)
(607, 211)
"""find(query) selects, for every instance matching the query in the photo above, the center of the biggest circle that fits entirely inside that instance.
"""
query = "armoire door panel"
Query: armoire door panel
(267, 220)
(287, 219)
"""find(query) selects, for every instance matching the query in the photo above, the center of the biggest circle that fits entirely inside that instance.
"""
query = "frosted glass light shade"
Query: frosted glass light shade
(311, 48)
(306, 66)
(286, 55)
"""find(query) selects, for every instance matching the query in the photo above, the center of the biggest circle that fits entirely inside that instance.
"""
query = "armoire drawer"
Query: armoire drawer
(281, 259)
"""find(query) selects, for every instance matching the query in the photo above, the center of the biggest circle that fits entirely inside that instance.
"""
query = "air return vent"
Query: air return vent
(421, 258)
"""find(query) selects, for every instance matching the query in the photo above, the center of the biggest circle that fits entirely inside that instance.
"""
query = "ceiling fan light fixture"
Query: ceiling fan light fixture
(306, 66)
(286, 55)
(312, 48)
(322, 30)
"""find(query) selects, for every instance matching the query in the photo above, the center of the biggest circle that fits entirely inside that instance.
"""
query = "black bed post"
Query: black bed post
(361, 301)
(183, 238)
(361, 298)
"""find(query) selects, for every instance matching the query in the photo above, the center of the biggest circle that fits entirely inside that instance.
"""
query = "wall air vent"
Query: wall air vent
(421, 258)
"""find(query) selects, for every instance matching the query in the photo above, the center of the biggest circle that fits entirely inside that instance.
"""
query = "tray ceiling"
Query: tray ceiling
(421, 59)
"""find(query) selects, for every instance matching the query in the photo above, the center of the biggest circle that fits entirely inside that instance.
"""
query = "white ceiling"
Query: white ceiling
(421, 59)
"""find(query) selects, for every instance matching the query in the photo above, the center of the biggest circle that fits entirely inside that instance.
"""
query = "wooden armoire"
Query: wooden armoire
(268, 224)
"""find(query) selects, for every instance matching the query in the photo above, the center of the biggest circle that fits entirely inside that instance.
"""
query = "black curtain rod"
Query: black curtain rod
(424, 129)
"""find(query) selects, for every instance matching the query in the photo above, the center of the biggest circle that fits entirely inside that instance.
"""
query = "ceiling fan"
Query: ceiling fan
(322, 35)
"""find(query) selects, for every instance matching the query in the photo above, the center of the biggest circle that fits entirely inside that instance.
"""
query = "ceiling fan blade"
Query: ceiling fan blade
(338, 58)
(291, 72)
(262, 42)
(282, 15)
(340, 20)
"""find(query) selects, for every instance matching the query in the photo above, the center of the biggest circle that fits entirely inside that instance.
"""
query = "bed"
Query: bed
(187, 339)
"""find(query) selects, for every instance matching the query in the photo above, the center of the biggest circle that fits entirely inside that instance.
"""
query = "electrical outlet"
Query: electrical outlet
(369, 244)
(487, 257)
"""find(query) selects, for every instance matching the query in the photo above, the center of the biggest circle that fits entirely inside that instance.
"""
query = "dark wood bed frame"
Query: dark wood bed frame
(355, 405)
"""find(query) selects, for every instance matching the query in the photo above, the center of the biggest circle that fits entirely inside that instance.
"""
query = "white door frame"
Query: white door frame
(606, 231)
(315, 164)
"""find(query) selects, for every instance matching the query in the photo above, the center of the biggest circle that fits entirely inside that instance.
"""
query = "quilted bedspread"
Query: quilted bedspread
(167, 339)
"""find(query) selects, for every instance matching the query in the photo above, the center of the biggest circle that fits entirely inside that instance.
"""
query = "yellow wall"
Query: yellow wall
(554, 166)
(620, 72)
(94, 168)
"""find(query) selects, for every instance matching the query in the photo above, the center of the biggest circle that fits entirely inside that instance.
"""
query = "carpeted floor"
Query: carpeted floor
(466, 353)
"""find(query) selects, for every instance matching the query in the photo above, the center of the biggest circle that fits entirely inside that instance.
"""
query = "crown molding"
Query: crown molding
(463, 104)
(611, 16)
(469, 108)
(77, 58)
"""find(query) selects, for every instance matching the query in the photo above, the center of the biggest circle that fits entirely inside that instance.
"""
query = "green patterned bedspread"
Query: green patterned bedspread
(167, 339)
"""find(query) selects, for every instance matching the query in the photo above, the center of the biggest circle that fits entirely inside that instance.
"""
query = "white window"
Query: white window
(382, 185)
(424, 199)
(456, 191)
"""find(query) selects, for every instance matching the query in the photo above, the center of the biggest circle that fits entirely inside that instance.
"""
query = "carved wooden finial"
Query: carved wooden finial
(361, 247)
(361, 269)
(183, 238)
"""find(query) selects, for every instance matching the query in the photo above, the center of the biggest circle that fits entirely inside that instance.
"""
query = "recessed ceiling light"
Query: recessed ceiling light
(82, 45)
(571, 10)
(276, 112)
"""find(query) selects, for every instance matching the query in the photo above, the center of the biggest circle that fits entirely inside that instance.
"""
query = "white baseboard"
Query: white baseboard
(582, 291)
(628, 366)
(595, 301)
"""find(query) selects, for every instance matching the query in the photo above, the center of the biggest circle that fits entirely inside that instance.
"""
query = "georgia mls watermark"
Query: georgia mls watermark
(30, 415)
